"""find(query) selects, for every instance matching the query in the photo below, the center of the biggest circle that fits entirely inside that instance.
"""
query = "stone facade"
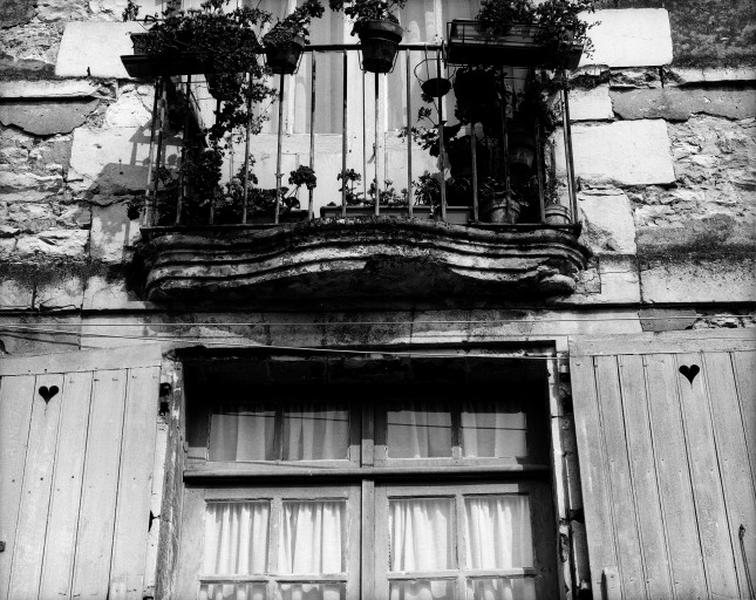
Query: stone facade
(664, 157)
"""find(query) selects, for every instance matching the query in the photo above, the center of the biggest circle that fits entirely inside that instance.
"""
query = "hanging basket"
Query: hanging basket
(283, 59)
(224, 86)
(379, 44)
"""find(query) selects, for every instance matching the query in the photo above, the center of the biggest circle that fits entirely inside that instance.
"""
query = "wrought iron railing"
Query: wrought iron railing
(372, 199)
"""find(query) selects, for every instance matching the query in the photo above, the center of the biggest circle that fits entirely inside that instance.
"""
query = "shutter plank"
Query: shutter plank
(598, 520)
(643, 470)
(745, 378)
(674, 481)
(35, 494)
(64, 509)
(133, 509)
(16, 394)
(96, 520)
(621, 485)
(729, 436)
(706, 480)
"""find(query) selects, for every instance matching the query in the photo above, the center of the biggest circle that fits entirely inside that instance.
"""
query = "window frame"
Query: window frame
(369, 475)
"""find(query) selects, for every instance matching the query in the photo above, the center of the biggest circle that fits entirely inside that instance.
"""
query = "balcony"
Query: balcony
(459, 225)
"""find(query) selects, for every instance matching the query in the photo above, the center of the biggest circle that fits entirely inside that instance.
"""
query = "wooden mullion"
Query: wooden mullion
(455, 408)
(460, 543)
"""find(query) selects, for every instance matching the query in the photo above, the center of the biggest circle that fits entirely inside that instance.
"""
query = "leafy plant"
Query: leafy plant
(297, 24)
(559, 26)
(350, 178)
(368, 10)
(389, 195)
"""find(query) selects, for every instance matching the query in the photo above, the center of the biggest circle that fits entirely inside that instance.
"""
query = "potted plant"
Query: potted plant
(517, 32)
(205, 40)
(286, 40)
(496, 204)
(378, 29)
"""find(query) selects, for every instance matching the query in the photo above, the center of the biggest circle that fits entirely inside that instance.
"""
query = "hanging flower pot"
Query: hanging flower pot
(224, 86)
(435, 87)
(283, 58)
(379, 44)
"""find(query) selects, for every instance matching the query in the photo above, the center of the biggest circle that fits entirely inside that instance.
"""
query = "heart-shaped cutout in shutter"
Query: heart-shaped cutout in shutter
(47, 393)
(690, 372)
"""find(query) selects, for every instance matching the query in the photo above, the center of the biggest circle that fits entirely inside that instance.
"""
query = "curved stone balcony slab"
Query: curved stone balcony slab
(370, 258)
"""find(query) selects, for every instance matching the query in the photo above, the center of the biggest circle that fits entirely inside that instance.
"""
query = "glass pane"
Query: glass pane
(310, 432)
(497, 532)
(315, 431)
(501, 589)
(237, 434)
(313, 537)
(495, 428)
(313, 591)
(232, 591)
(423, 589)
(421, 430)
(236, 538)
(421, 534)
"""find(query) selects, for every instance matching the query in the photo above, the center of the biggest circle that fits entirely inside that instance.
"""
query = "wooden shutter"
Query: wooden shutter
(667, 464)
(75, 472)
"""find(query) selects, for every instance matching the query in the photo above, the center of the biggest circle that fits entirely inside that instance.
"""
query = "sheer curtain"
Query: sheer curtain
(494, 428)
(236, 538)
(236, 543)
(421, 539)
(315, 431)
(313, 542)
(498, 536)
(238, 434)
(422, 430)
(309, 431)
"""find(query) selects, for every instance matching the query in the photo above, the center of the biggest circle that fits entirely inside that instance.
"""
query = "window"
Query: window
(323, 489)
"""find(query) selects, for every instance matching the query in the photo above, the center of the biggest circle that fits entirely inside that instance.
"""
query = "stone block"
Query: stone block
(675, 104)
(72, 88)
(110, 161)
(133, 108)
(62, 10)
(624, 152)
(16, 12)
(102, 293)
(46, 117)
(95, 49)
(112, 233)
(54, 243)
(591, 105)
(65, 293)
(15, 294)
(637, 37)
(687, 75)
(31, 48)
(727, 278)
(111, 10)
(608, 224)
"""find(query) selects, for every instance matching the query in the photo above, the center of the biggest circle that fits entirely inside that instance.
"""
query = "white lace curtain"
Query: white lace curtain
(312, 542)
(489, 428)
(307, 431)
(497, 536)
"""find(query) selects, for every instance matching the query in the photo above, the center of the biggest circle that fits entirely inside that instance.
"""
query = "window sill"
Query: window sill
(236, 472)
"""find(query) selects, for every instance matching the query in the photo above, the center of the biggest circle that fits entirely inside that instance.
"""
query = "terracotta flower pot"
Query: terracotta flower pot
(379, 43)
(284, 59)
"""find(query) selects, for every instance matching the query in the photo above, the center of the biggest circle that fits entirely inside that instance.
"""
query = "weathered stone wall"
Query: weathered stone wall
(664, 158)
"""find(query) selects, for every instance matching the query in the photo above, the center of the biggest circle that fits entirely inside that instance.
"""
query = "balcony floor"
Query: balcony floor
(360, 258)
